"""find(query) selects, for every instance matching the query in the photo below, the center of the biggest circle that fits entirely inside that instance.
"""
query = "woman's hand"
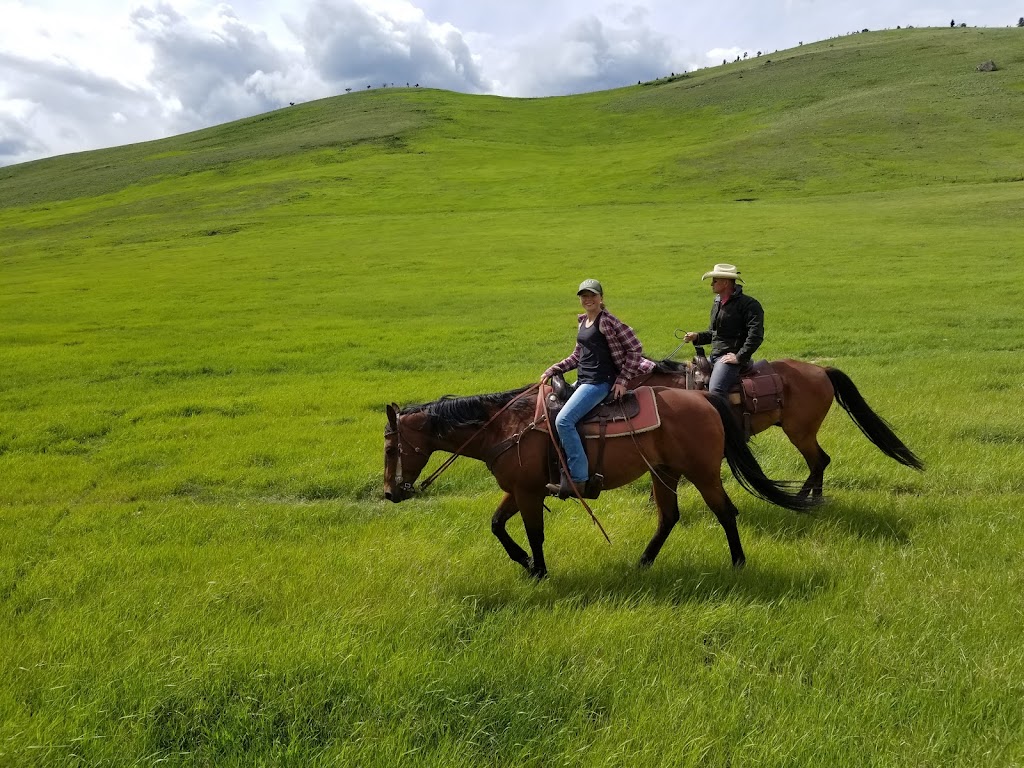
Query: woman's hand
(689, 337)
(618, 391)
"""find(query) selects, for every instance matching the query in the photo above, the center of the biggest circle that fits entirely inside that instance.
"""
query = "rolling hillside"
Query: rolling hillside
(871, 111)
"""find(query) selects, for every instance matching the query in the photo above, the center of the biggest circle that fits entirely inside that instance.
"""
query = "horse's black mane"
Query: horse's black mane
(669, 366)
(451, 412)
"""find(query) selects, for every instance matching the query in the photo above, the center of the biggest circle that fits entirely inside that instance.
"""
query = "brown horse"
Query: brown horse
(808, 392)
(697, 432)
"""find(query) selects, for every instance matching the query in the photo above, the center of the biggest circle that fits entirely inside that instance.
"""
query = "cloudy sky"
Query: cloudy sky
(84, 74)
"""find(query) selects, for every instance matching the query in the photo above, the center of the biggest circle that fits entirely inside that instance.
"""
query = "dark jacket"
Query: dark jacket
(737, 327)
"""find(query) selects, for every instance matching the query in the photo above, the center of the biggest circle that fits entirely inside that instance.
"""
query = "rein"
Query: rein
(681, 345)
(451, 459)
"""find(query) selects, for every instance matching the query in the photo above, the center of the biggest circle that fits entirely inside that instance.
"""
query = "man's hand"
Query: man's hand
(729, 358)
(689, 337)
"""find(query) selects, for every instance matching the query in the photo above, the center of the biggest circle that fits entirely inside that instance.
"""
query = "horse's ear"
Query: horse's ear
(393, 415)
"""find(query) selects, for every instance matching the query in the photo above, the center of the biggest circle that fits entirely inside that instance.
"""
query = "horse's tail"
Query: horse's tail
(875, 428)
(748, 472)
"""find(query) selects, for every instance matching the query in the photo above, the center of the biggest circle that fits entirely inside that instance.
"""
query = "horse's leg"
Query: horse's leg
(663, 489)
(531, 507)
(817, 460)
(505, 511)
(809, 396)
(719, 502)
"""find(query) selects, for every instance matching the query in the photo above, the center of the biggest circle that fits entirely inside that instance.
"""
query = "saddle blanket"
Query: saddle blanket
(646, 418)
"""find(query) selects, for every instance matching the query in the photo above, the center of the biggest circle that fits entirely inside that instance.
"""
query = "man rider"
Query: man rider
(736, 329)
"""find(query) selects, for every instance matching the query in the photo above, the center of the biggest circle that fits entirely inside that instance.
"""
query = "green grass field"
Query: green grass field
(198, 337)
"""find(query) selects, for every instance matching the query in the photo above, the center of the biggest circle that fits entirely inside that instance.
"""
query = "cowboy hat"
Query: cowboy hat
(728, 271)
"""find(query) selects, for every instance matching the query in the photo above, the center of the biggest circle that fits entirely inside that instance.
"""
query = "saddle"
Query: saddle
(759, 388)
(636, 412)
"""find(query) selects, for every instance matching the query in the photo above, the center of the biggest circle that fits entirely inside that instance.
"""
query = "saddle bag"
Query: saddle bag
(762, 392)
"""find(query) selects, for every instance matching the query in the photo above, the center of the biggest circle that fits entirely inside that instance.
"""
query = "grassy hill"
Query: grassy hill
(869, 111)
(198, 335)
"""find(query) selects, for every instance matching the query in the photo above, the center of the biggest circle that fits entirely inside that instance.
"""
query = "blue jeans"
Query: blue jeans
(723, 376)
(584, 397)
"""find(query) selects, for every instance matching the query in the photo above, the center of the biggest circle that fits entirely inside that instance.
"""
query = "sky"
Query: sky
(85, 74)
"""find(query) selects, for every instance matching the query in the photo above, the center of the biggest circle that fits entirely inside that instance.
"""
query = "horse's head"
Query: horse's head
(406, 452)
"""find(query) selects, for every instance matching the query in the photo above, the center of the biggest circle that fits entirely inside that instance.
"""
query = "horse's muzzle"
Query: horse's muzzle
(399, 493)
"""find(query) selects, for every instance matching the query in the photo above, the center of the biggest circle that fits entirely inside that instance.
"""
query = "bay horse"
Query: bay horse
(808, 392)
(697, 431)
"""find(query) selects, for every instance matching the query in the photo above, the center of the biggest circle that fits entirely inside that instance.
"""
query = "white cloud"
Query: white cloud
(54, 106)
(590, 54)
(207, 68)
(353, 44)
(720, 55)
(171, 66)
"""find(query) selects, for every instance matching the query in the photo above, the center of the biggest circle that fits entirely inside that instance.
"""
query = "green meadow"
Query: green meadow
(198, 337)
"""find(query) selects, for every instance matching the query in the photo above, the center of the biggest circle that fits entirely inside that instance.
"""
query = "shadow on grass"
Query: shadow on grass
(848, 516)
(623, 585)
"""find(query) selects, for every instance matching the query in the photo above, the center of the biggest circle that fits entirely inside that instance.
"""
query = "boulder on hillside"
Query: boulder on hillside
(987, 66)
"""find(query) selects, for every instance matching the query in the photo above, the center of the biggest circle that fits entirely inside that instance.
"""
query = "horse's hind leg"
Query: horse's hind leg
(505, 511)
(719, 502)
(817, 460)
(808, 403)
(663, 489)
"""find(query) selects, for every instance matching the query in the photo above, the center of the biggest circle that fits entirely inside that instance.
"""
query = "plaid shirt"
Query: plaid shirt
(627, 352)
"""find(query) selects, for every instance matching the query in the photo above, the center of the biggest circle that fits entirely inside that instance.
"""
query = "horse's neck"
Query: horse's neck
(670, 378)
(476, 443)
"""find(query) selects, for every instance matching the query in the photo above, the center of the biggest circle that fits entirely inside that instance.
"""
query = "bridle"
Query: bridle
(401, 484)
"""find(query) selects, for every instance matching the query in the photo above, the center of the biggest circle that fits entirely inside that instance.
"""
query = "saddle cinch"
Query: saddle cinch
(636, 412)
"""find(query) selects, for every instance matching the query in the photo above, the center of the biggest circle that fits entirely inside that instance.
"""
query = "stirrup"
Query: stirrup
(593, 487)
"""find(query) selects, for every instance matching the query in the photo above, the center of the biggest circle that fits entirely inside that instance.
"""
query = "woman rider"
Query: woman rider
(607, 355)
(736, 329)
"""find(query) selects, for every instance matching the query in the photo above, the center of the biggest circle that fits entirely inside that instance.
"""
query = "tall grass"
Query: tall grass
(199, 336)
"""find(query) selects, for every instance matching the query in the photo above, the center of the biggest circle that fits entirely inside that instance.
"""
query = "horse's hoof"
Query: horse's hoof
(644, 563)
(737, 564)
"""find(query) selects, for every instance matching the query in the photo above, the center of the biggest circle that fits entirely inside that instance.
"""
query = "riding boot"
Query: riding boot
(564, 488)
(590, 489)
